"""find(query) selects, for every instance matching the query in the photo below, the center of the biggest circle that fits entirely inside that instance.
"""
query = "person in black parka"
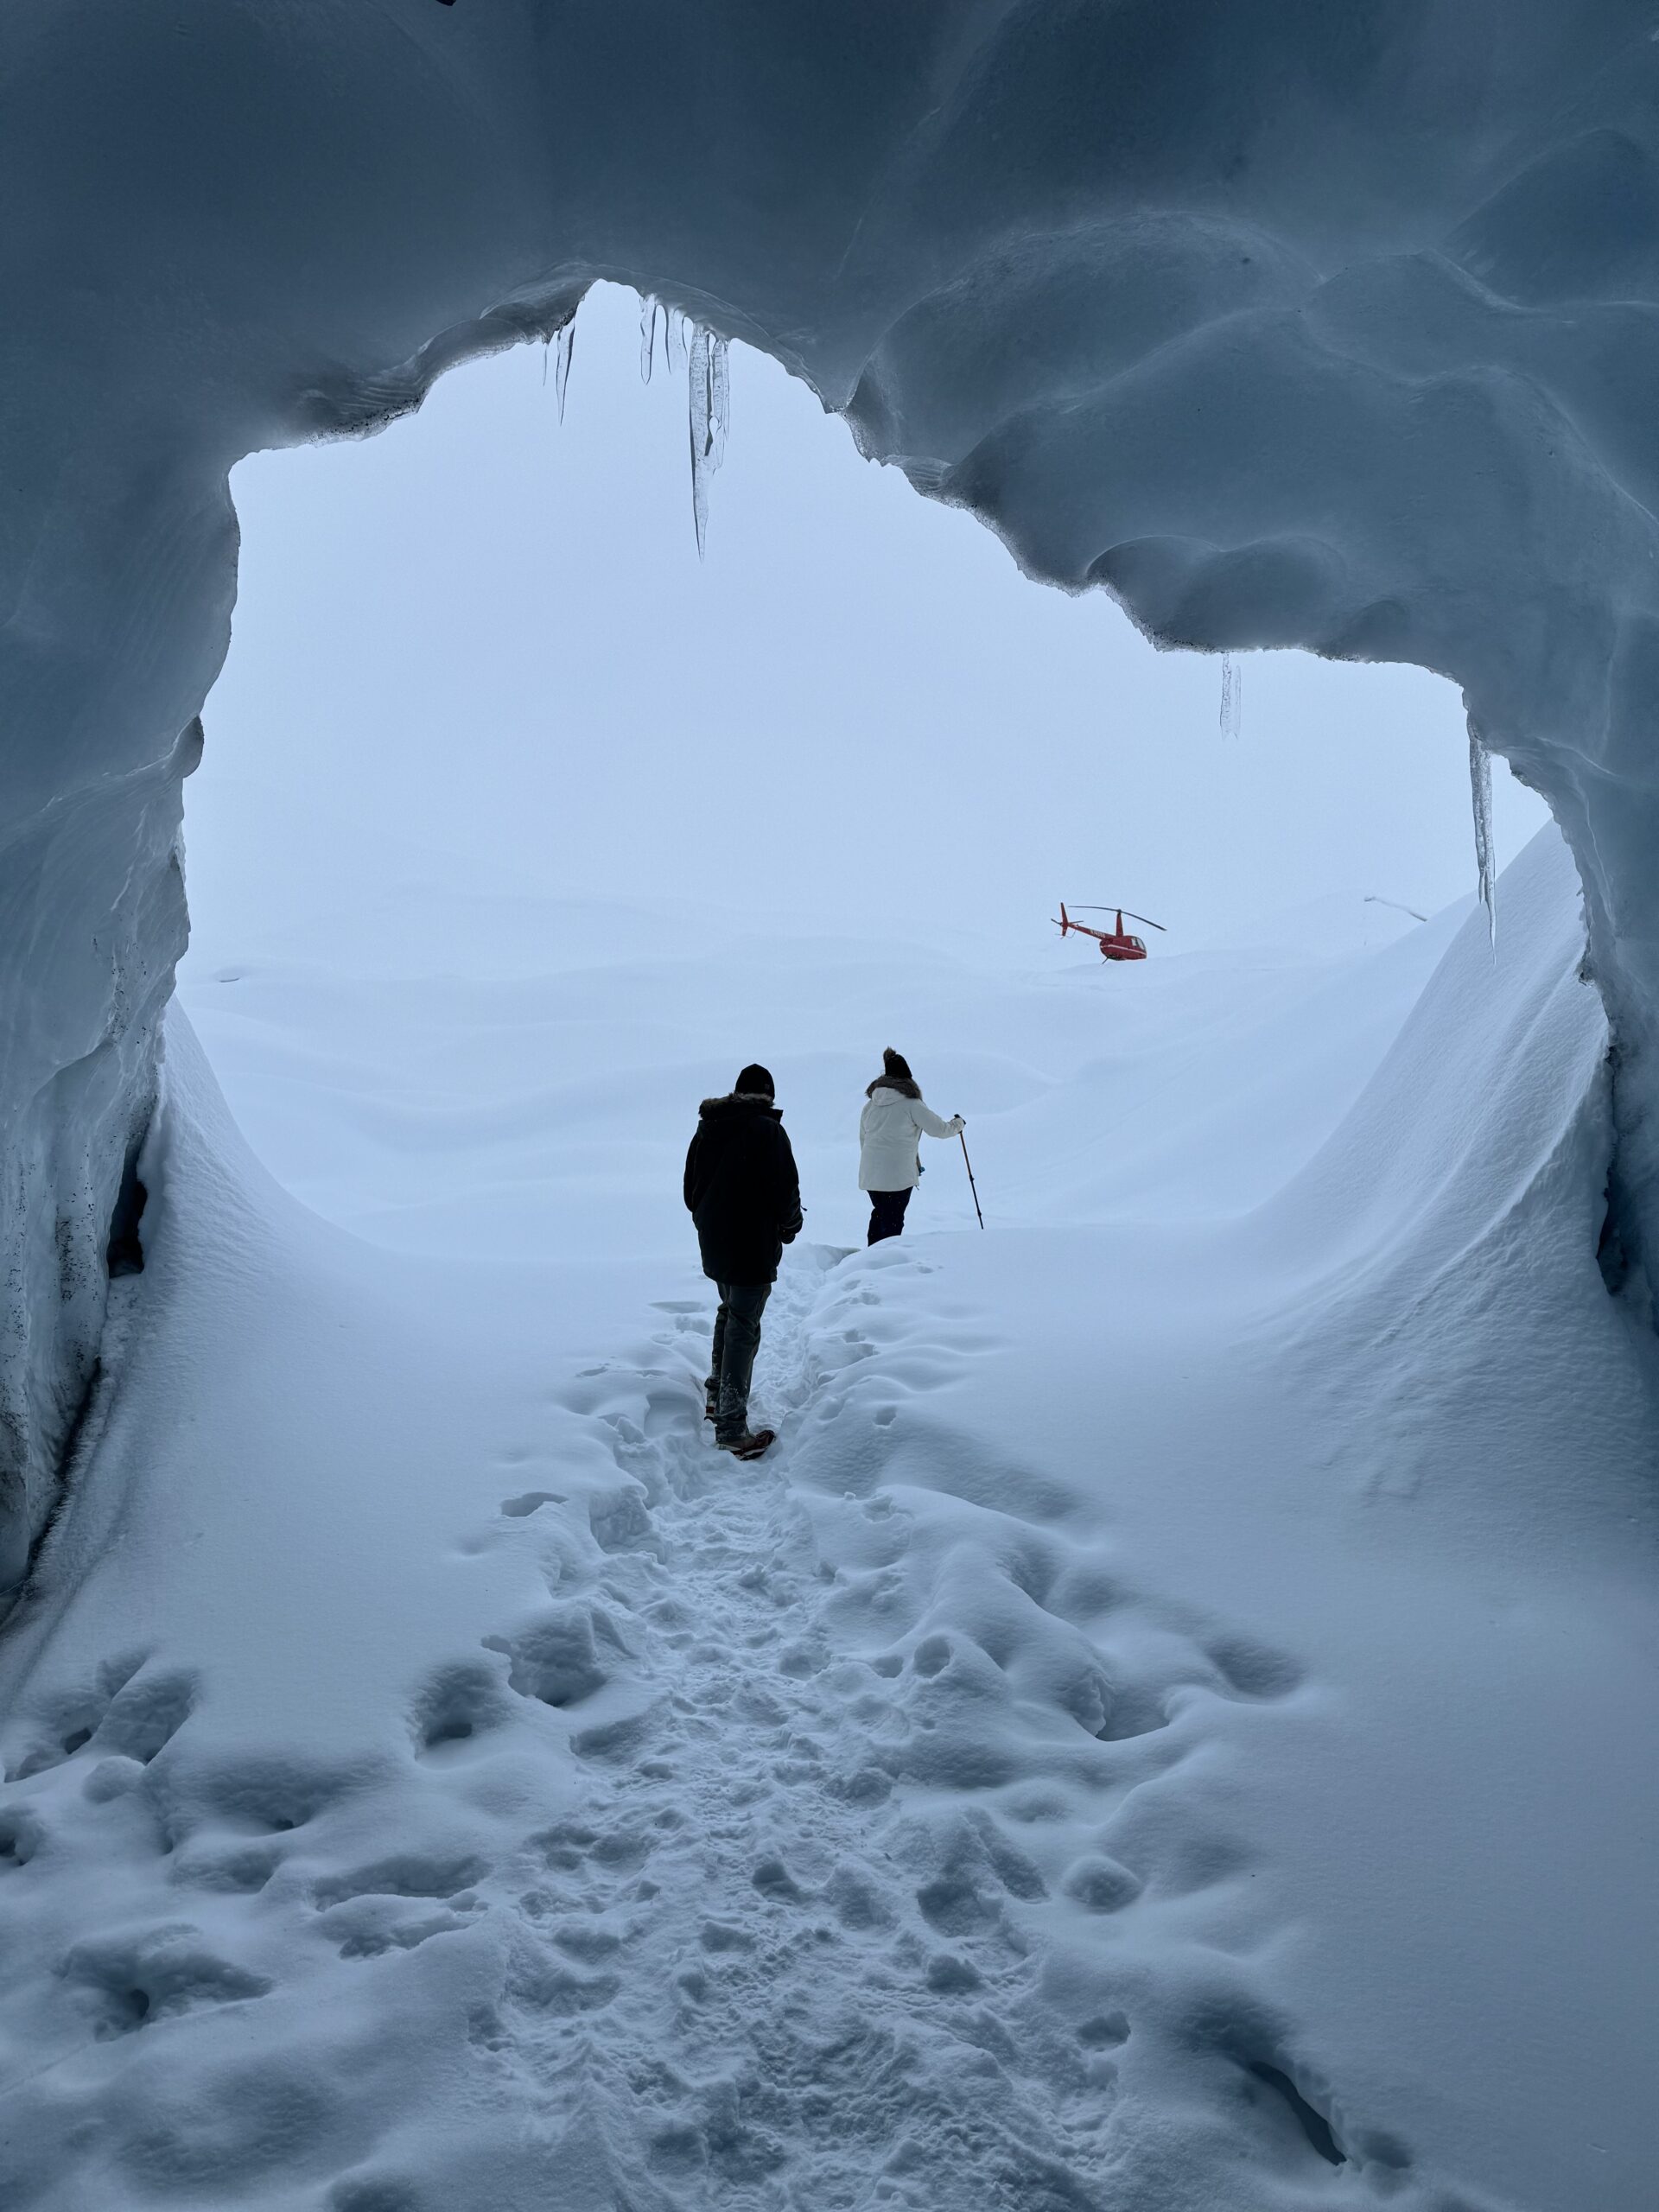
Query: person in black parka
(744, 1194)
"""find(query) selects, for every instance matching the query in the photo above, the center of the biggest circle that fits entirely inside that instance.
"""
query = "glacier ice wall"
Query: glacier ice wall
(1287, 324)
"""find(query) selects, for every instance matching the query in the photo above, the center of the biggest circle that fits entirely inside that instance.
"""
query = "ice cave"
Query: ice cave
(1229, 1784)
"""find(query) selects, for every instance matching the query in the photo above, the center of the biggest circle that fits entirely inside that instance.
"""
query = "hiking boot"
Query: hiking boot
(750, 1446)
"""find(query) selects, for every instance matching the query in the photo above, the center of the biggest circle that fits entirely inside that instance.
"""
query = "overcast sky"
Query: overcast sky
(490, 633)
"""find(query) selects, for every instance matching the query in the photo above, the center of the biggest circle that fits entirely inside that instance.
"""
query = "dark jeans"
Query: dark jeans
(886, 1214)
(737, 1340)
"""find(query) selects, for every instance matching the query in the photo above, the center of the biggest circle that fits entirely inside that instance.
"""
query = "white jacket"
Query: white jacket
(889, 1130)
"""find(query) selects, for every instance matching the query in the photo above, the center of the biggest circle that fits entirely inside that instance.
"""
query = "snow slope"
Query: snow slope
(1166, 1728)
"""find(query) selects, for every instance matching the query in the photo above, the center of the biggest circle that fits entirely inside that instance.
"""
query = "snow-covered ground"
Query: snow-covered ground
(1167, 1727)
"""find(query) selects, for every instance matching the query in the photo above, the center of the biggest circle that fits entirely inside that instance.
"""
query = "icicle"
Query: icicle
(675, 330)
(1232, 695)
(546, 347)
(698, 383)
(710, 407)
(720, 400)
(567, 347)
(1480, 788)
(649, 311)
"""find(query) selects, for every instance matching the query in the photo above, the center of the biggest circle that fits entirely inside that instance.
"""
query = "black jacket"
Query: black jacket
(742, 1188)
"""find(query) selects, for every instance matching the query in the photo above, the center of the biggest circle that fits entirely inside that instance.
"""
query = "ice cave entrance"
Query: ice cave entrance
(487, 721)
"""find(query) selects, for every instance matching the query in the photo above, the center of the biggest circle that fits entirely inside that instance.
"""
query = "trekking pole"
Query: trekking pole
(968, 1165)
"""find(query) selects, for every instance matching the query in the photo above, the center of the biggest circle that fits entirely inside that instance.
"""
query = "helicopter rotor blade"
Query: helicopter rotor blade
(1147, 918)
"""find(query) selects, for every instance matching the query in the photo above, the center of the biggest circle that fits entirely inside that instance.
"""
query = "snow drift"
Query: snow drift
(1285, 325)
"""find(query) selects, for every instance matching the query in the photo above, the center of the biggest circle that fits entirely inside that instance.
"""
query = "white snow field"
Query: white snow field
(1168, 1726)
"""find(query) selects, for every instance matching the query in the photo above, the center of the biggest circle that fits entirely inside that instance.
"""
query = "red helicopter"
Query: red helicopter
(1114, 944)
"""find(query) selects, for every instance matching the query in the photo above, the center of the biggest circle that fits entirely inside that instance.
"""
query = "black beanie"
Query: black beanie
(895, 1064)
(754, 1077)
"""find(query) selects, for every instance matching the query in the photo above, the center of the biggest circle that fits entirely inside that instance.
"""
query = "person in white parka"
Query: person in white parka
(895, 1118)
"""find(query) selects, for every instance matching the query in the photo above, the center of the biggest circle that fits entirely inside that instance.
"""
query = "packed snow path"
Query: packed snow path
(781, 1886)
(819, 1907)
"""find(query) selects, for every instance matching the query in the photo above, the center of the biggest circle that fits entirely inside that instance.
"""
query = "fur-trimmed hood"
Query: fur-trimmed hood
(740, 1102)
(901, 1084)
